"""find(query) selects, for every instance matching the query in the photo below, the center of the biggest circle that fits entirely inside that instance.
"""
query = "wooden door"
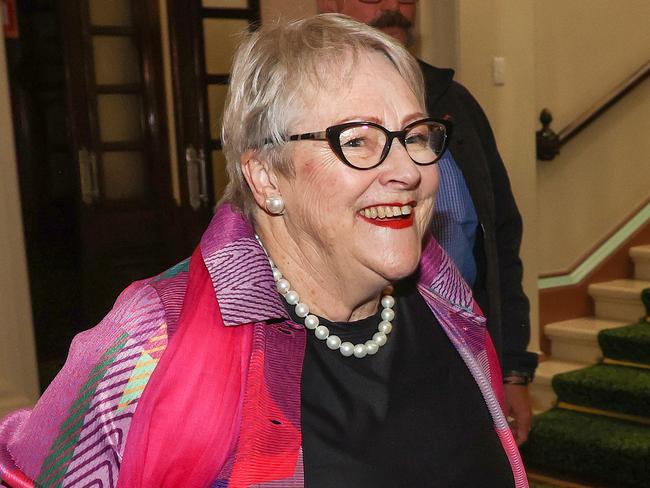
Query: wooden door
(87, 101)
(203, 37)
(119, 136)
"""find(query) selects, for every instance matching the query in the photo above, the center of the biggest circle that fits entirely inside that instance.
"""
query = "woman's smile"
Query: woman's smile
(393, 215)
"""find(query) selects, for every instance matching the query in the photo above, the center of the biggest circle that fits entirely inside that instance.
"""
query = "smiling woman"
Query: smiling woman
(324, 196)
(317, 336)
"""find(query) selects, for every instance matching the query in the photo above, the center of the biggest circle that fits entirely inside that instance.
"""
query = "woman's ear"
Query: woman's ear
(260, 178)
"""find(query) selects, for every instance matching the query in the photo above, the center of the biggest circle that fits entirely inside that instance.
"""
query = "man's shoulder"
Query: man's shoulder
(441, 77)
(440, 85)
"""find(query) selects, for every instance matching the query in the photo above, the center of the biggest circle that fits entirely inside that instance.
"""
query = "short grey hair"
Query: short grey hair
(272, 69)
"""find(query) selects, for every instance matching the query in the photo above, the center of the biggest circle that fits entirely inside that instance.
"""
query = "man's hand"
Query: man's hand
(518, 411)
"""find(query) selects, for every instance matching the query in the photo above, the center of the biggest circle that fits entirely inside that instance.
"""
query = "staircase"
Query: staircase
(597, 387)
(574, 343)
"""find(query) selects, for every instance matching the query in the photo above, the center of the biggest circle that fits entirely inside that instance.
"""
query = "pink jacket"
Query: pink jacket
(178, 384)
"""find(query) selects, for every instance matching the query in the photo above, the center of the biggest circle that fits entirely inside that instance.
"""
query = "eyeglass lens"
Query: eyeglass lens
(363, 145)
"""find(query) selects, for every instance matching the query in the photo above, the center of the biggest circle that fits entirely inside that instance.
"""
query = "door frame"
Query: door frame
(190, 81)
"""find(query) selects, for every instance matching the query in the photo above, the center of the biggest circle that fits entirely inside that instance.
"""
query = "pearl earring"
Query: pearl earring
(275, 205)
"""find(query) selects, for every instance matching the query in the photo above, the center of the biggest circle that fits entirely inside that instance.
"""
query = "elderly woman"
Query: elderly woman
(314, 338)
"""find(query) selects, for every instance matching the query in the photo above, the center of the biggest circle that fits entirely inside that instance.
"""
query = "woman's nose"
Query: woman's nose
(398, 169)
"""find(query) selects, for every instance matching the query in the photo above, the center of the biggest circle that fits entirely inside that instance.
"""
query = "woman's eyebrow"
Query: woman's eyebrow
(359, 118)
(371, 118)
(413, 117)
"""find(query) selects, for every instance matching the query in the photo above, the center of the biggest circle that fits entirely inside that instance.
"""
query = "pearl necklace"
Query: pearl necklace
(322, 333)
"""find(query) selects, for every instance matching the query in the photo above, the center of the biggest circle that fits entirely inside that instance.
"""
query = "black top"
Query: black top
(409, 416)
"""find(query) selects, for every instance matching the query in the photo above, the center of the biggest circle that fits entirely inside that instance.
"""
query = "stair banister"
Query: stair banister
(549, 143)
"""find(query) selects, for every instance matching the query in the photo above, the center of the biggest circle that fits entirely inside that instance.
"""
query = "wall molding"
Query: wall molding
(599, 253)
(572, 300)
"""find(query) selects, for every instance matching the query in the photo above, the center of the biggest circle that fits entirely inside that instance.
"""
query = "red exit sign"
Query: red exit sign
(9, 19)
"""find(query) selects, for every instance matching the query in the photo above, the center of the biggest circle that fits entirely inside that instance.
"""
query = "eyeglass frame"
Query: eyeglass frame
(332, 136)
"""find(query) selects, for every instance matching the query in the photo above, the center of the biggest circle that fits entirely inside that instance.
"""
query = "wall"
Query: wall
(436, 33)
(489, 28)
(583, 48)
(562, 55)
(273, 10)
(18, 377)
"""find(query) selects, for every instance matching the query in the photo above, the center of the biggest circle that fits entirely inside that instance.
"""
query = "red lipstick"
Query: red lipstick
(393, 223)
(401, 222)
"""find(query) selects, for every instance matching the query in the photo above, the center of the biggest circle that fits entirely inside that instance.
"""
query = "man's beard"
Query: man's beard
(393, 18)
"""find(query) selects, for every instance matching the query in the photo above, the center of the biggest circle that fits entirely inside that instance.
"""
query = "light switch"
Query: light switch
(499, 70)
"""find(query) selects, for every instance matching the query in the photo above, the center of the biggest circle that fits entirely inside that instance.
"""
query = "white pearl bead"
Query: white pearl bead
(388, 301)
(292, 297)
(387, 314)
(283, 286)
(347, 349)
(322, 332)
(275, 204)
(302, 310)
(360, 351)
(311, 322)
(380, 338)
(333, 342)
(385, 327)
(372, 346)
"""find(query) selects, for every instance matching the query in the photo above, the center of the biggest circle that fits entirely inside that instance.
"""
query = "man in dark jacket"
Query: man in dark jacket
(476, 219)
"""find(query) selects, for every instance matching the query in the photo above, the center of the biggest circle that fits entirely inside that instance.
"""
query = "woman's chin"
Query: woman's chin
(399, 269)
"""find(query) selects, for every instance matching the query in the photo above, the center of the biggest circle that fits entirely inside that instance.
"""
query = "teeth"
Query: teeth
(385, 211)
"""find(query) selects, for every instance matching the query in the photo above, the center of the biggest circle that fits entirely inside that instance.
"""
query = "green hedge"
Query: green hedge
(615, 388)
(597, 449)
(629, 343)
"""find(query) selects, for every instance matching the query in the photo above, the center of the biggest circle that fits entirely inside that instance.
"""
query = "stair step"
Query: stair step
(576, 340)
(619, 299)
(541, 392)
(630, 343)
(617, 389)
(537, 479)
(641, 257)
(600, 450)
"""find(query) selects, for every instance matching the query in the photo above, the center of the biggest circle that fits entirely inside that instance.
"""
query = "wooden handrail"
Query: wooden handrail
(549, 143)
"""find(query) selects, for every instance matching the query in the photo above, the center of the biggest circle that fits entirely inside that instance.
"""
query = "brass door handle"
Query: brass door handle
(88, 176)
(197, 180)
